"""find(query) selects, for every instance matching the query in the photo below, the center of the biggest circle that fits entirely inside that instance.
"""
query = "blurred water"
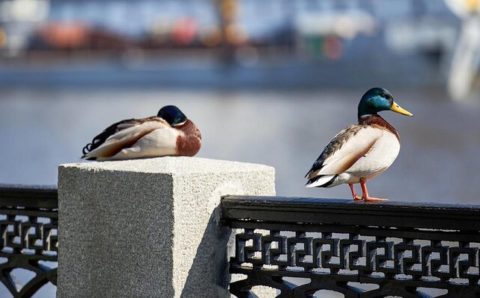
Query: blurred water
(438, 161)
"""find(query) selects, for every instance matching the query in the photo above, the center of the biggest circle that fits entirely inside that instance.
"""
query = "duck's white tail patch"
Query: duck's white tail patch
(322, 181)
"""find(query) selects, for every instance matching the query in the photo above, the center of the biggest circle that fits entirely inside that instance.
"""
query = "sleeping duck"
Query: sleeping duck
(168, 133)
(360, 152)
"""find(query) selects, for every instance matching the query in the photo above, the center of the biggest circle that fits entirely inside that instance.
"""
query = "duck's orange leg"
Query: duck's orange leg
(354, 194)
(365, 196)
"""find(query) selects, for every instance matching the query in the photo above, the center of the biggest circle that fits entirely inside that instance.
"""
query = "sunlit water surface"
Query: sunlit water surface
(438, 161)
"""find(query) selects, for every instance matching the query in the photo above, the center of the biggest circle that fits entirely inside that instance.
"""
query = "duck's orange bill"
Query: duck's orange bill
(398, 109)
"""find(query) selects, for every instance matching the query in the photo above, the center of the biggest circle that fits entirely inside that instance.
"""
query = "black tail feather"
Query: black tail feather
(323, 185)
(102, 137)
(86, 149)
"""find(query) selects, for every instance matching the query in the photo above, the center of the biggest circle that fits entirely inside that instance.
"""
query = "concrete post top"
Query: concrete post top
(149, 227)
(170, 165)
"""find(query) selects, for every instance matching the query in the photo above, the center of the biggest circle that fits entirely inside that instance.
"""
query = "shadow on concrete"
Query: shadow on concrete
(212, 252)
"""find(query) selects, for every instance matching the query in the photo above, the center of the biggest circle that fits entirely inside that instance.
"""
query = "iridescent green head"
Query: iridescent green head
(379, 99)
(172, 115)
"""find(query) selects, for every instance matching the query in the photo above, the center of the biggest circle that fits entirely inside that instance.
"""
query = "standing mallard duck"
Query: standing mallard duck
(360, 152)
(168, 133)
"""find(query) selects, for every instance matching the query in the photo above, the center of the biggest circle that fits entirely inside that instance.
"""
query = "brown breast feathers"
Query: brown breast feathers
(377, 120)
(190, 142)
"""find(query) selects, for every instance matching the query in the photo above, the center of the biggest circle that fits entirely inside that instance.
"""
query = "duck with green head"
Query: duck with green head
(170, 132)
(360, 152)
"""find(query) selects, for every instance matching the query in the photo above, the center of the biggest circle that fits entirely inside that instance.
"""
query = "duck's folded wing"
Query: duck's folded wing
(344, 150)
(99, 139)
(124, 138)
(160, 142)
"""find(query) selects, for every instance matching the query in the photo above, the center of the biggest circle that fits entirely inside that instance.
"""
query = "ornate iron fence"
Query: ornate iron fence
(302, 246)
(29, 234)
(298, 246)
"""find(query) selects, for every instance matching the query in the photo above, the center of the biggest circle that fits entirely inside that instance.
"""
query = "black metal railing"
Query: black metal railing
(29, 237)
(298, 246)
(302, 247)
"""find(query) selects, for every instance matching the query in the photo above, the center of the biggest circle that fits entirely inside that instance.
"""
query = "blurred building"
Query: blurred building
(93, 24)
(19, 19)
(411, 35)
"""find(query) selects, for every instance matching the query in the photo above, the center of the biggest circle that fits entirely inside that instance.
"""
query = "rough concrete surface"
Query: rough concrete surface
(149, 227)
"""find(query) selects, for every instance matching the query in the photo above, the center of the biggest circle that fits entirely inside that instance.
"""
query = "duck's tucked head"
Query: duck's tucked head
(172, 115)
(379, 99)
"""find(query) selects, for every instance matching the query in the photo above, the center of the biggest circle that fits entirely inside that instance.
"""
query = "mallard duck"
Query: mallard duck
(168, 133)
(360, 152)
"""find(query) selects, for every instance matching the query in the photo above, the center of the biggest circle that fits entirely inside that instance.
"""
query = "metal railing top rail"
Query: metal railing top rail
(348, 212)
(405, 249)
(28, 197)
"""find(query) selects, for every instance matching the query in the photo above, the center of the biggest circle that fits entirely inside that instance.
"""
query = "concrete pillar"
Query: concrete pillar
(149, 227)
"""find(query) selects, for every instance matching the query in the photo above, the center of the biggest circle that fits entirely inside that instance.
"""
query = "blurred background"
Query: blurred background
(267, 81)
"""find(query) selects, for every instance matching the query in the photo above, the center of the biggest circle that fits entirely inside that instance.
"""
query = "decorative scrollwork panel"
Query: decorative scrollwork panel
(28, 239)
(398, 265)
(357, 249)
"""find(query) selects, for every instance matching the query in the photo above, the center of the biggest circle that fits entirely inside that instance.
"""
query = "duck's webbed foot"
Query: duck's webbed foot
(354, 194)
(373, 199)
(365, 196)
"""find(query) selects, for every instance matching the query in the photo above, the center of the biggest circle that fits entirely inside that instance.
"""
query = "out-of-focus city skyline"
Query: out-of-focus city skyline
(267, 44)
(308, 26)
